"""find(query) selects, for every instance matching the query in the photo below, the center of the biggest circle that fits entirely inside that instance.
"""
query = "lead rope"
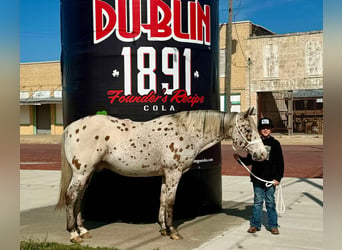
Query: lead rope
(280, 204)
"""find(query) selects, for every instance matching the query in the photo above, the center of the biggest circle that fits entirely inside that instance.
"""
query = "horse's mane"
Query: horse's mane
(208, 121)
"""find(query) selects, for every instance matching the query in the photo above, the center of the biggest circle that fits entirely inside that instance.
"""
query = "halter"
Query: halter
(243, 137)
(222, 124)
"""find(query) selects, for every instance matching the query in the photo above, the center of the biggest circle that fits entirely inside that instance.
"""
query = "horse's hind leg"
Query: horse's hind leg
(172, 178)
(73, 201)
(83, 232)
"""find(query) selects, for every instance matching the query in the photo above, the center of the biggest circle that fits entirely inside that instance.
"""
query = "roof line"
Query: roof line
(57, 61)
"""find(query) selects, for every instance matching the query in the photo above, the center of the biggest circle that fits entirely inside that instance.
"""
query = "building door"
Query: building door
(43, 119)
(274, 105)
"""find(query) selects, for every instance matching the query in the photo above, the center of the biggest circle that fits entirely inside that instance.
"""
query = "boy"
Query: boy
(271, 169)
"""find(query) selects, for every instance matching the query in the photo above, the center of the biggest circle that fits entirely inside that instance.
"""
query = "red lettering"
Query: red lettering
(180, 96)
(134, 15)
(159, 28)
(199, 22)
(203, 22)
(113, 94)
(177, 22)
(193, 23)
(151, 97)
(101, 10)
(163, 22)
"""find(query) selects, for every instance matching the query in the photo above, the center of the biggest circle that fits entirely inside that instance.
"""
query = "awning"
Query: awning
(40, 101)
(308, 93)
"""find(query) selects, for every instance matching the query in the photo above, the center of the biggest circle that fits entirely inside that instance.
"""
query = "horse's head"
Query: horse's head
(245, 136)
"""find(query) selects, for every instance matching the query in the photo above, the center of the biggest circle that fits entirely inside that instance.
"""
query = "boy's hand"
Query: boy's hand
(236, 156)
(275, 182)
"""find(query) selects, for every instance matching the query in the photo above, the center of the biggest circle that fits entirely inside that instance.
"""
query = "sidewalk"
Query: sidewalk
(301, 227)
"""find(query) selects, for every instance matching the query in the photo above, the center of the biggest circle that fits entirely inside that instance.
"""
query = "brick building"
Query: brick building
(40, 98)
(280, 75)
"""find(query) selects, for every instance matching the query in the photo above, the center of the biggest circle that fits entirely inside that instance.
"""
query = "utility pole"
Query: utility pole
(290, 112)
(229, 56)
(249, 63)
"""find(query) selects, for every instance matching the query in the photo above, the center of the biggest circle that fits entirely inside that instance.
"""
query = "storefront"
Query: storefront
(305, 105)
(42, 115)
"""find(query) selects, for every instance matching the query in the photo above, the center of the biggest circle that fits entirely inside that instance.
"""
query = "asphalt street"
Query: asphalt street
(303, 161)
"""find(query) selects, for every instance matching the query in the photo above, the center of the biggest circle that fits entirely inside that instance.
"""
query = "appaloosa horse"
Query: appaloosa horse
(165, 146)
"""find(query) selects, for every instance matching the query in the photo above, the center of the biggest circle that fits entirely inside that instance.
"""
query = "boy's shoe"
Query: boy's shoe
(253, 230)
(274, 230)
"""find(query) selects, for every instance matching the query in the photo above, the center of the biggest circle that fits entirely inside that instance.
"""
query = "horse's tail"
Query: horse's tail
(66, 176)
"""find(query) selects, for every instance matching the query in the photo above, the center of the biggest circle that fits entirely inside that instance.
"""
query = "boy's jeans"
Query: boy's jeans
(261, 193)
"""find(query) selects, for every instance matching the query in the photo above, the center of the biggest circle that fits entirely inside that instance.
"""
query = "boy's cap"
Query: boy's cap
(265, 122)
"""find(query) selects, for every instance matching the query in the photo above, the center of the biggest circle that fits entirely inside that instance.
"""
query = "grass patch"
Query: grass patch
(43, 245)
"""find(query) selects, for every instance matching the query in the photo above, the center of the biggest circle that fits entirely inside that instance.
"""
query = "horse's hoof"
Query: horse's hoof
(164, 232)
(176, 236)
(77, 240)
(86, 235)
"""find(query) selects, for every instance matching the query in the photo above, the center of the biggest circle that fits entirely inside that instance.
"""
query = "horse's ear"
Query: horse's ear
(246, 114)
(249, 111)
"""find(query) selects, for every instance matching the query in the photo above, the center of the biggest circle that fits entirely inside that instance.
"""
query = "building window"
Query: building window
(299, 105)
(222, 63)
(235, 101)
(25, 115)
(59, 114)
(313, 58)
(223, 103)
(270, 61)
(308, 104)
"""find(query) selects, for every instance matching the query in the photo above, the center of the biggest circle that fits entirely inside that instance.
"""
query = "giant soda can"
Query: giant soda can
(140, 59)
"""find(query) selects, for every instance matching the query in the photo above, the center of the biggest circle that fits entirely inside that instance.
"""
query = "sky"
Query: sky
(40, 22)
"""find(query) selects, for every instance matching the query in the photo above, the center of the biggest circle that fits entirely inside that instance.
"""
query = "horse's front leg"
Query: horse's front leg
(172, 179)
(162, 210)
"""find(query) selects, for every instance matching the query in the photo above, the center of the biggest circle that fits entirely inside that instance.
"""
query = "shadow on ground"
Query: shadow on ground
(47, 224)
